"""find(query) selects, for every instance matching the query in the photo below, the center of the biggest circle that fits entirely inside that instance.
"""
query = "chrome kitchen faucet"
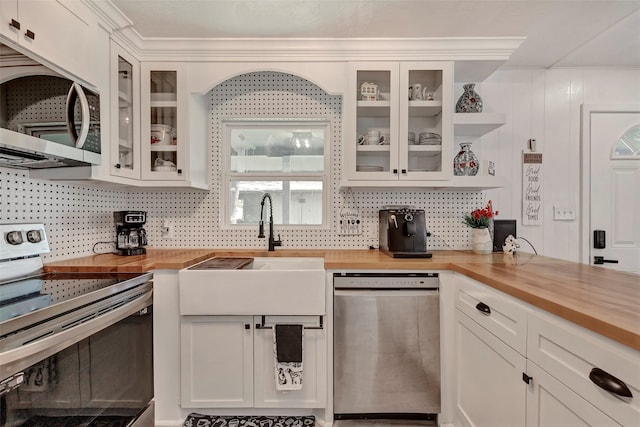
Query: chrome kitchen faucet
(272, 242)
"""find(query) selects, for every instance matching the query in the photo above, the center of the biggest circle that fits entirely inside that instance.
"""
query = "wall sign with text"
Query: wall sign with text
(531, 188)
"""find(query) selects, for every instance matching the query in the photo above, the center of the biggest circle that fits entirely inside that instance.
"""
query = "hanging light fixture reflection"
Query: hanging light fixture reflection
(301, 140)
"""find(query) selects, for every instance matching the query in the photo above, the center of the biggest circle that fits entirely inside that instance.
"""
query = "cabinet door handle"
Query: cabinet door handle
(404, 171)
(608, 382)
(395, 171)
(247, 326)
(15, 24)
(179, 171)
(118, 166)
(483, 308)
(599, 260)
(30, 34)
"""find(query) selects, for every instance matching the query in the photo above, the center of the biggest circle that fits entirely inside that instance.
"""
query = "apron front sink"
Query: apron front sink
(267, 286)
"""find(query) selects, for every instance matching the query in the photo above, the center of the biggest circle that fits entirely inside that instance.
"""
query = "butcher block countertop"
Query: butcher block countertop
(602, 300)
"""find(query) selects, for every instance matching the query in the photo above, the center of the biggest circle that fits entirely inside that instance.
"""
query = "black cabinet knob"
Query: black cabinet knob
(15, 24)
(30, 34)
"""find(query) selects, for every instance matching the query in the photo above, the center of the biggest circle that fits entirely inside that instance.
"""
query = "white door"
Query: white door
(614, 175)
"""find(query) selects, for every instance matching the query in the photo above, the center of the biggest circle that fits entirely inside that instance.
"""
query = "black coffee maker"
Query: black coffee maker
(130, 236)
(403, 233)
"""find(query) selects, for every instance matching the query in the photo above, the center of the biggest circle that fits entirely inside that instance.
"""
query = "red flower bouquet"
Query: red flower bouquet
(480, 217)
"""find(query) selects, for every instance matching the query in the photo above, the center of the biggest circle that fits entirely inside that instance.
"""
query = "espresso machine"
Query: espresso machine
(403, 233)
(130, 236)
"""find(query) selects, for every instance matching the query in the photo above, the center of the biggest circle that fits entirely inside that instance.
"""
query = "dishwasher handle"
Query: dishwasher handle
(386, 292)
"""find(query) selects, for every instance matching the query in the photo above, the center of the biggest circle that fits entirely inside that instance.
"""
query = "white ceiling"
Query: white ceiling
(560, 33)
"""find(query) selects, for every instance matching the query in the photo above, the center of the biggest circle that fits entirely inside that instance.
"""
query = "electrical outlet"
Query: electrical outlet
(166, 230)
(564, 213)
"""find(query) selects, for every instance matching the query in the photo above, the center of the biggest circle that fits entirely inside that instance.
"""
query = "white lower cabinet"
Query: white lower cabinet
(489, 386)
(546, 383)
(552, 404)
(571, 355)
(228, 362)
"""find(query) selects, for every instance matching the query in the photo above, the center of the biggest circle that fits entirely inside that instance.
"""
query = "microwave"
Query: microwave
(48, 121)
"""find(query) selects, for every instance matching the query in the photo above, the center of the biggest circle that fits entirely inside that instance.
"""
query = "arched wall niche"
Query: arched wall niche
(329, 76)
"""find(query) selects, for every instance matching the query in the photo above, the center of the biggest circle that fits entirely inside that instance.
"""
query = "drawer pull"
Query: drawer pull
(608, 382)
(483, 308)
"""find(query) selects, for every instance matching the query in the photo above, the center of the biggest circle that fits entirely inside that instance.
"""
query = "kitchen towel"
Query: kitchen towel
(287, 348)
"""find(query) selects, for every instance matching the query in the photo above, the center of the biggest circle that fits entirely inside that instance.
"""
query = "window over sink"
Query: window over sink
(282, 157)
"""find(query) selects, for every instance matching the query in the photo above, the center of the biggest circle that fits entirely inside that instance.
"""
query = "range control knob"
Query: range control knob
(34, 236)
(14, 237)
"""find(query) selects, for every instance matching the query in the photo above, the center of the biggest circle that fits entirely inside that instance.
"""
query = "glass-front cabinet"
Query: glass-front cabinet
(399, 125)
(163, 121)
(125, 153)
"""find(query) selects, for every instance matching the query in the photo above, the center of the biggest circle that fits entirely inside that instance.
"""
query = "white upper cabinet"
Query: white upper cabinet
(173, 142)
(50, 31)
(125, 114)
(381, 118)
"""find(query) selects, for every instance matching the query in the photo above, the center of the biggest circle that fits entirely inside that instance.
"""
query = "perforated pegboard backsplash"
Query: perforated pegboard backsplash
(76, 217)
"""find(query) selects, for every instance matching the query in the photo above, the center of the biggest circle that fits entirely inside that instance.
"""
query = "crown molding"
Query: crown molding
(323, 49)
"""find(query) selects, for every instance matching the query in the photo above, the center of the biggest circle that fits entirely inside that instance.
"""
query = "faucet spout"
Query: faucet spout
(272, 241)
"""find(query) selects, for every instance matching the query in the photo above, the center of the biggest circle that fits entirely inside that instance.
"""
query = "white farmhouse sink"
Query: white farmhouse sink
(269, 286)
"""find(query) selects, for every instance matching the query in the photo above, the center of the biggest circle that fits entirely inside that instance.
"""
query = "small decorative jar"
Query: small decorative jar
(481, 242)
(465, 162)
(470, 101)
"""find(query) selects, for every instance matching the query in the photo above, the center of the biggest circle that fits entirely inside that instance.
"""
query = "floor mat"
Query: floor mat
(198, 420)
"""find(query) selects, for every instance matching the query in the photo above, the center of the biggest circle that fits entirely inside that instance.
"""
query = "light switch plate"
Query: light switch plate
(564, 213)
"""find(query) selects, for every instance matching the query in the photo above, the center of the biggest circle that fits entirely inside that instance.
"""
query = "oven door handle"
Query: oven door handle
(19, 358)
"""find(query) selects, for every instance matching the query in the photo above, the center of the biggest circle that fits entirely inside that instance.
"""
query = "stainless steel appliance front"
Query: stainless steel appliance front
(75, 348)
(386, 345)
(46, 120)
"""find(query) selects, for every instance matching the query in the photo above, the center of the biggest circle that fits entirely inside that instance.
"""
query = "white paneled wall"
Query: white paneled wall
(539, 104)
(545, 105)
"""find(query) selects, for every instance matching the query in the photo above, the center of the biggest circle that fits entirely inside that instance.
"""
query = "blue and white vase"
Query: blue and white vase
(470, 101)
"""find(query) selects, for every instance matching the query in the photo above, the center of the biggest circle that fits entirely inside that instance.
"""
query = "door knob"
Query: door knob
(598, 260)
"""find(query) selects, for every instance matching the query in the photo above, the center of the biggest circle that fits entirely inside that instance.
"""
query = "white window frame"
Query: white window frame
(227, 175)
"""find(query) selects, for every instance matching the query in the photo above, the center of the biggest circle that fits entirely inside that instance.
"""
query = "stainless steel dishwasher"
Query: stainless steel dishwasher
(386, 346)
